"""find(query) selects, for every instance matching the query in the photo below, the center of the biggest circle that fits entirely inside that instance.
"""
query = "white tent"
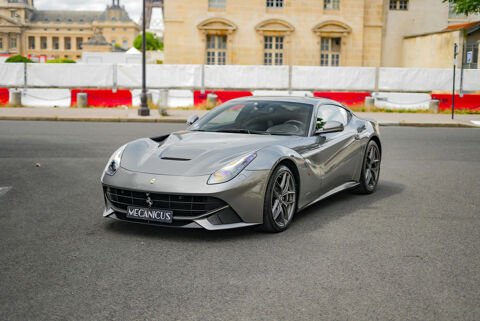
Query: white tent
(133, 51)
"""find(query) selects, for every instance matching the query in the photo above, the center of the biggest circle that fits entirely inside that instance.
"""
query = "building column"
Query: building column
(38, 44)
(478, 58)
(20, 44)
(61, 45)
(6, 39)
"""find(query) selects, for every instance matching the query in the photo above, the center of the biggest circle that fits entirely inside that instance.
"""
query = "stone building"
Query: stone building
(308, 32)
(404, 19)
(28, 31)
(274, 32)
(435, 49)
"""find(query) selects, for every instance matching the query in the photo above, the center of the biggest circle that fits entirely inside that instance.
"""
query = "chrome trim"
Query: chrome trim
(209, 226)
(192, 218)
(107, 212)
(112, 209)
(331, 192)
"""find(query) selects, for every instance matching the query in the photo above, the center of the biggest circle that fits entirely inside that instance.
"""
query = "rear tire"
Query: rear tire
(280, 202)
(370, 169)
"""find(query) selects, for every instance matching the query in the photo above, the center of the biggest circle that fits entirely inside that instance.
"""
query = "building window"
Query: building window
(398, 4)
(217, 4)
(274, 3)
(31, 42)
(79, 43)
(13, 43)
(1, 43)
(472, 46)
(216, 50)
(68, 43)
(13, 14)
(113, 29)
(273, 50)
(452, 13)
(125, 44)
(114, 43)
(331, 4)
(55, 43)
(330, 51)
(43, 42)
(124, 29)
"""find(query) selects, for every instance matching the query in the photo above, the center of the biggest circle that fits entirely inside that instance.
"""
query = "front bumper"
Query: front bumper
(243, 197)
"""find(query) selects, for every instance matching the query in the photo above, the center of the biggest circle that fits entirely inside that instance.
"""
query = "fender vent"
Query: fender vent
(175, 159)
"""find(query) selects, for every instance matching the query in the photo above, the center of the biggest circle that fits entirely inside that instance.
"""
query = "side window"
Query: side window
(331, 112)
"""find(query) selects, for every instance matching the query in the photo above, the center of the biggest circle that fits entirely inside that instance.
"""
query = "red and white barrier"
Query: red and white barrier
(34, 97)
(346, 98)
(4, 96)
(104, 97)
(282, 93)
(470, 102)
(223, 95)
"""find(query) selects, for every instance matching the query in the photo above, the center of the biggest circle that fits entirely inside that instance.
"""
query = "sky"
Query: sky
(133, 7)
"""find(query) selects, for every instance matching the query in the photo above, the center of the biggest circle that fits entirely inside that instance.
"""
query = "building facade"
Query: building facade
(28, 31)
(274, 32)
(406, 18)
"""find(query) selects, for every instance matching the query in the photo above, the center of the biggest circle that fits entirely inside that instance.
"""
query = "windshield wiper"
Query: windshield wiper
(242, 131)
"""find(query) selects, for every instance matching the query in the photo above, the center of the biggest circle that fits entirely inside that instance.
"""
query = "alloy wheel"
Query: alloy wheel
(283, 199)
(372, 166)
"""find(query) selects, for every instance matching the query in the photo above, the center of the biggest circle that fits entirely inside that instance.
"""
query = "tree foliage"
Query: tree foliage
(152, 42)
(18, 58)
(61, 61)
(465, 7)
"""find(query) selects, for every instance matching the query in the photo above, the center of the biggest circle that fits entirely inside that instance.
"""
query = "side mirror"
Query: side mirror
(192, 119)
(330, 127)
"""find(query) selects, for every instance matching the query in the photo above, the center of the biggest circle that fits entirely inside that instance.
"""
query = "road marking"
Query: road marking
(4, 190)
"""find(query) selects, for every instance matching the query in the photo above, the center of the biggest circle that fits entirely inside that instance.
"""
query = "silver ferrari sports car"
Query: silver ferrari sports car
(249, 161)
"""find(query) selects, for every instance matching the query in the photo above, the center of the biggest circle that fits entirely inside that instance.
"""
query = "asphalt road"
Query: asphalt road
(411, 251)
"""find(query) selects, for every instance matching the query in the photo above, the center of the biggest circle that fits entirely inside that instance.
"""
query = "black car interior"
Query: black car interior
(281, 118)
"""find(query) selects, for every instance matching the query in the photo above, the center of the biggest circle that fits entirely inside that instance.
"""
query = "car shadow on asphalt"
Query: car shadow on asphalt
(345, 203)
(312, 218)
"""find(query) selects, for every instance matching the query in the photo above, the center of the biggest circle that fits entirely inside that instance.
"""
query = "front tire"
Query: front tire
(280, 202)
(370, 169)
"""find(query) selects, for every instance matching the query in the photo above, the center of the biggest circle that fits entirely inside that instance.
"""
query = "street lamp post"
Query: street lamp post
(144, 110)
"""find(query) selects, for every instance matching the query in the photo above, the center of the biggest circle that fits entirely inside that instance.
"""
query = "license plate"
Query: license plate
(150, 214)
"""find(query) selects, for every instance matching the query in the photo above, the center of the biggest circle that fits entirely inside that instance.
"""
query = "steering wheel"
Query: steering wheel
(294, 122)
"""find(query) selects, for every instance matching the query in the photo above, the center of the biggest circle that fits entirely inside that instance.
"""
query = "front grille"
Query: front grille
(181, 205)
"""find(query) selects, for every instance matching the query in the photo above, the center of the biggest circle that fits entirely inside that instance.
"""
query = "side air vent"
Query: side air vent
(175, 159)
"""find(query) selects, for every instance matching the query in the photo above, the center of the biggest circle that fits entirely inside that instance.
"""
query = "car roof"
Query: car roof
(305, 100)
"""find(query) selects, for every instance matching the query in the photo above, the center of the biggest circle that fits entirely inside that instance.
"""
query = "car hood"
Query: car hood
(190, 153)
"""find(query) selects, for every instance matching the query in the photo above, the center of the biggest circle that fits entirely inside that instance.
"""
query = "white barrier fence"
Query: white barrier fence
(234, 77)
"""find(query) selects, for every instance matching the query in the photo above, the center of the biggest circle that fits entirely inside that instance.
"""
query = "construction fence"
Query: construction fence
(57, 84)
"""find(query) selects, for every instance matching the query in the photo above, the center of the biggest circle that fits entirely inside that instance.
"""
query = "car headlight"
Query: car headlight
(231, 170)
(114, 161)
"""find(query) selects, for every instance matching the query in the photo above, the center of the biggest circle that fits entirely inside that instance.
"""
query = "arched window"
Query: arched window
(276, 39)
(217, 34)
(331, 35)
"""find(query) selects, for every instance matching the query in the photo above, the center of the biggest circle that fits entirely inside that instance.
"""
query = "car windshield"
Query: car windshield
(258, 117)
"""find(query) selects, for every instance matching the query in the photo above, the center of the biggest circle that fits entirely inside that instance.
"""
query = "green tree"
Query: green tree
(465, 7)
(18, 58)
(153, 43)
(60, 61)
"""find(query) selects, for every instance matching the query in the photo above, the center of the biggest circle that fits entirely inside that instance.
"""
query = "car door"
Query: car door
(332, 157)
